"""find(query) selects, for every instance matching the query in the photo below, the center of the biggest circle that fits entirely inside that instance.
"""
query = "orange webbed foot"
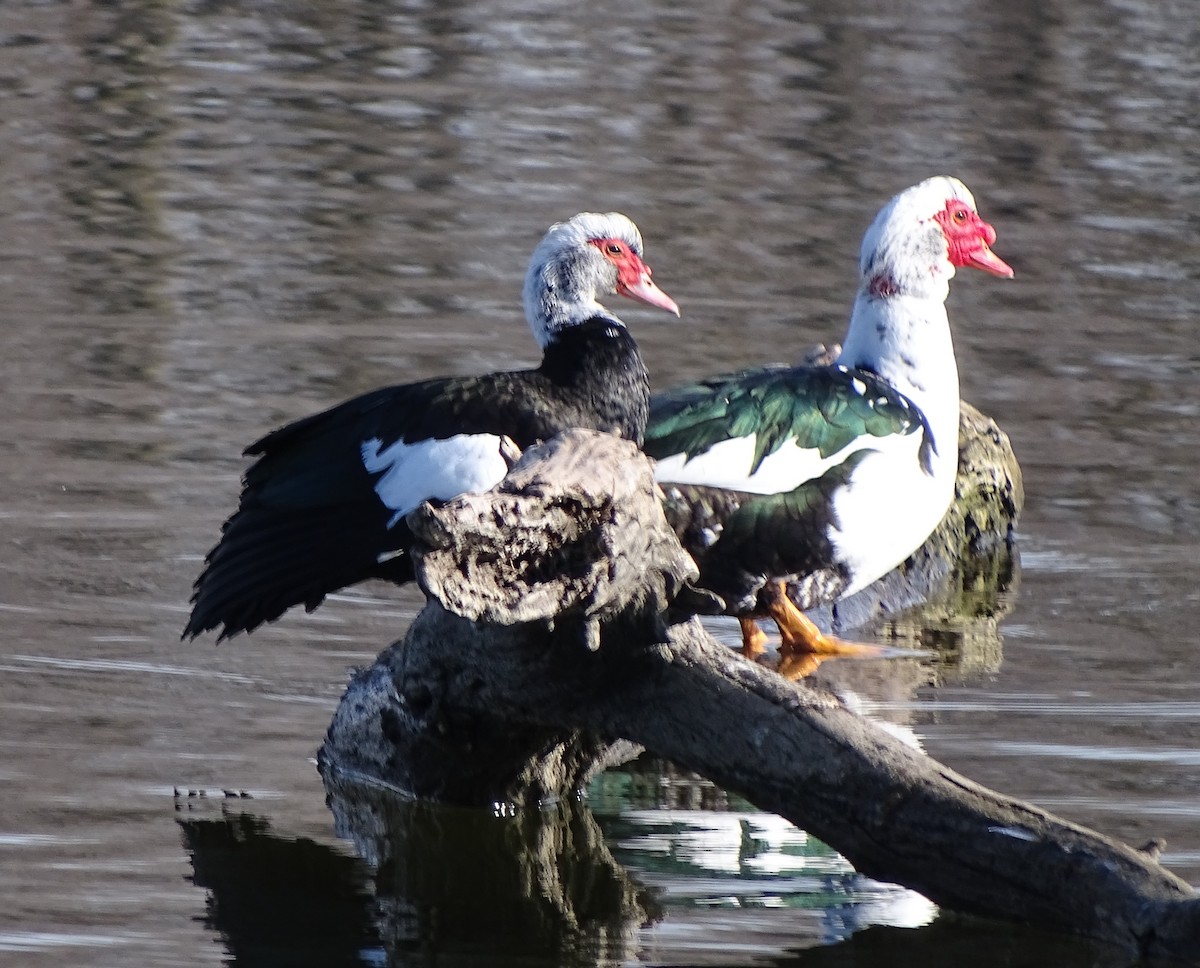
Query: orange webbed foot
(798, 634)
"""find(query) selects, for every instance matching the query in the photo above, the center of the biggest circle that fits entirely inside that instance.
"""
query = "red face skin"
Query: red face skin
(970, 239)
(633, 275)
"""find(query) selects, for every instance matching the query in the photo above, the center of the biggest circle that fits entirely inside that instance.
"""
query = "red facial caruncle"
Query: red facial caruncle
(633, 275)
(970, 239)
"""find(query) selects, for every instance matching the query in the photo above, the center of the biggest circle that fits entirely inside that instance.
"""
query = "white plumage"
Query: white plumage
(433, 469)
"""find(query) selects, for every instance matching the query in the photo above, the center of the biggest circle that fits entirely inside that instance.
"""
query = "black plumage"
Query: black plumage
(310, 522)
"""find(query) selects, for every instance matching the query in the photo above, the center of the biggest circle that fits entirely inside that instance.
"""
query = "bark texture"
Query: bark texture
(544, 644)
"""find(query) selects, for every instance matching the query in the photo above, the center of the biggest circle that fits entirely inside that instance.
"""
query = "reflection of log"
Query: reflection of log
(278, 899)
(491, 886)
(559, 579)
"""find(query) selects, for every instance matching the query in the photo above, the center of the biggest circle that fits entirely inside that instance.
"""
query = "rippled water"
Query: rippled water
(219, 216)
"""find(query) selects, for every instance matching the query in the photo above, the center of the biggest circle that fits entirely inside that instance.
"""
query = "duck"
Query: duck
(323, 505)
(796, 486)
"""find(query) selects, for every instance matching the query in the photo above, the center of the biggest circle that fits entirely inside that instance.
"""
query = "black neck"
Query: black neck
(601, 362)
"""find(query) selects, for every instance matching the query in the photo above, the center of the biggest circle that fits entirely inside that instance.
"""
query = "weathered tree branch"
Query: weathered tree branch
(559, 580)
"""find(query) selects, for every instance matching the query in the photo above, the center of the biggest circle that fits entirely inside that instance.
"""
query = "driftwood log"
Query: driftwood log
(545, 649)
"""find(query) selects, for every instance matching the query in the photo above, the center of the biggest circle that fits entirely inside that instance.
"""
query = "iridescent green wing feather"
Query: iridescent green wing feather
(820, 408)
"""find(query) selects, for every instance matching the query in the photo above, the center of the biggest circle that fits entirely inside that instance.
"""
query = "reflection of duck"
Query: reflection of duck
(750, 874)
(815, 481)
(324, 505)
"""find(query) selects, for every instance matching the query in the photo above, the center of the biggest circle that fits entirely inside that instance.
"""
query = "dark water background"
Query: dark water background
(217, 216)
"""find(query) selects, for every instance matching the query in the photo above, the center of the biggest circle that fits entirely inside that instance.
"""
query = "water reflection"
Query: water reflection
(648, 871)
(719, 866)
(532, 887)
(952, 943)
(279, 900)
(573, 885)
(119, 127)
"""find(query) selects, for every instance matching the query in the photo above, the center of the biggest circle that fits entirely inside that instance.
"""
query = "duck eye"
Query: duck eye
(960, 215)
(613, 248)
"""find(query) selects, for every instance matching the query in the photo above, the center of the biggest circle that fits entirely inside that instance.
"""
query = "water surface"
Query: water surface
(216, 217)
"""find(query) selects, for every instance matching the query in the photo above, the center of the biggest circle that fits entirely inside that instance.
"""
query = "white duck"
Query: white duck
(797, 486)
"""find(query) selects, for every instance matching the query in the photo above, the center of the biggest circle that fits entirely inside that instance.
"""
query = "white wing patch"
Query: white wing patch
(433, 469)
(727, 464)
